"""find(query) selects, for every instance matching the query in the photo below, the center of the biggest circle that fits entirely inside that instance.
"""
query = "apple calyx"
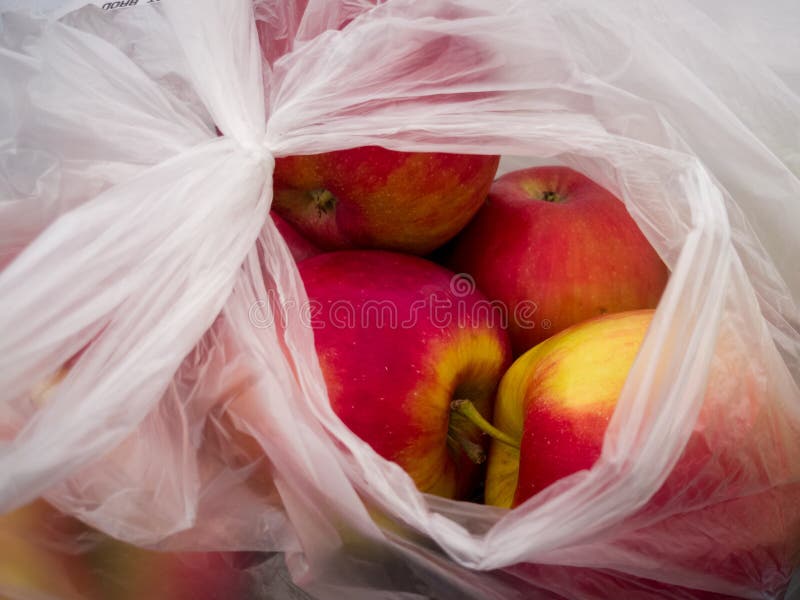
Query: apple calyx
(550, 196)
(467, 409)
(323, 200)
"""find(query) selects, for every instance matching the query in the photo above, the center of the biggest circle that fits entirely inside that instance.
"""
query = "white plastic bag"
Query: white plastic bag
(136, 243)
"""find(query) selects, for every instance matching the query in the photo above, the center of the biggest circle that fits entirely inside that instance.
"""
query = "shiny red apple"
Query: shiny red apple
(399, 339)
(557, 248)
(722, 505)
(554, 403)
(371, 197)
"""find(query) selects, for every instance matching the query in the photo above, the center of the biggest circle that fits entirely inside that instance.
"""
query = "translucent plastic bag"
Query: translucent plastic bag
(135, 244)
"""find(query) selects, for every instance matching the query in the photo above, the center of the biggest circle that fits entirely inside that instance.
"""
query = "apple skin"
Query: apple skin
(575, 256)
(392, 383)
(126, 572)
(557, 399)
(299, 246)
(723, 507)
(47, 554)
(371, 197)
(37, 557)
(751, 541)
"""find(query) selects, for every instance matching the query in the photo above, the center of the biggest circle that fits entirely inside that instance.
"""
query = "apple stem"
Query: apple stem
(473, 451)
(467, 409)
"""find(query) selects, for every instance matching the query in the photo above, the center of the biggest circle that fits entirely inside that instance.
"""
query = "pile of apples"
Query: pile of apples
(475, 332)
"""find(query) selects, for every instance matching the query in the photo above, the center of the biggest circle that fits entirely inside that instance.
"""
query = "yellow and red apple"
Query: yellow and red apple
(398, 340)
(554, 404)
(721, 503)
(371, 197)
(557, 248)
(46, 554)
(126, 572)
(37, 557)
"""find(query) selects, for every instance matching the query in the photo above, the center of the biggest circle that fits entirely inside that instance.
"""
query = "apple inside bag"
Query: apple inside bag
(159, 378)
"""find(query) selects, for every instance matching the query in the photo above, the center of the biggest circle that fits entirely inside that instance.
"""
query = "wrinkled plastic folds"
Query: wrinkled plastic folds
(135, 244)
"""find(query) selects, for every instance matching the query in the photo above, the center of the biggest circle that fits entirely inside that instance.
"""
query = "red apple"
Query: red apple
(557, 249)
(721, 505)
(751, 541)
(398, 340)
(371, 197)
(36, 557)
(125, 572)
(299, 246)
(554, 404)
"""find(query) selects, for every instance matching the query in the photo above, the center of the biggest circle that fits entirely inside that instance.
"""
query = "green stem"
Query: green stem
(467, 409)
(473, 451)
